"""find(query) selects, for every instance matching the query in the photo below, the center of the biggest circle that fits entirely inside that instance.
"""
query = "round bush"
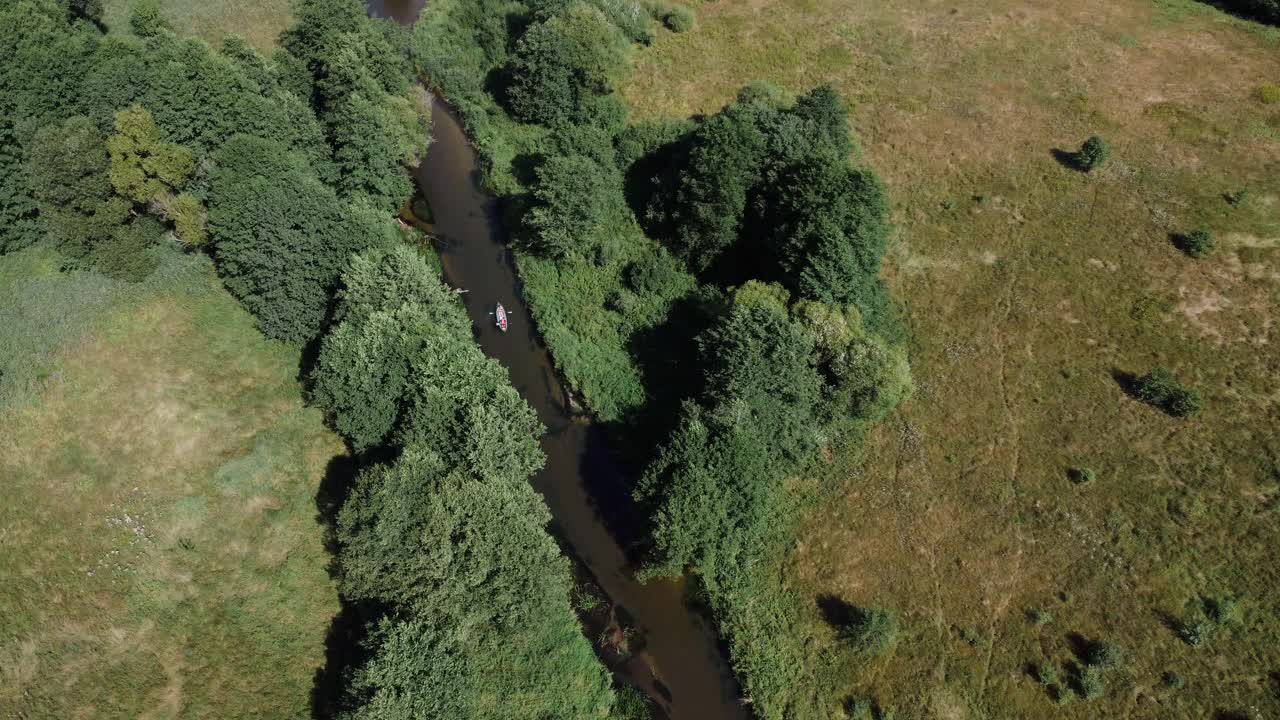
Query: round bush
(1093, 153)
(678, 18)
(1197, 243)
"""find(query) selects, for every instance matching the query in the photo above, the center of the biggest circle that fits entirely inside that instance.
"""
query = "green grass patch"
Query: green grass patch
(162, 554)
(259, 22)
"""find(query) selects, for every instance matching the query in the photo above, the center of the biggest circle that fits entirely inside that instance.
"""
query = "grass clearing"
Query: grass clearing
(1033, 292)
(260, 22)
(161, 549)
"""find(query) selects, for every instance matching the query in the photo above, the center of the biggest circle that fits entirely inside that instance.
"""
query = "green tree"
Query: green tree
(282, 237)
(143, 167)
(391, 307)
(145, 18)
(830, 228)
(67, 171)
(482, 598)
(1092, 154)
(563, 65)
(572, 199)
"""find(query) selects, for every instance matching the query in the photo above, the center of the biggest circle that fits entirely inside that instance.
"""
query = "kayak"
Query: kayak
(500, 315)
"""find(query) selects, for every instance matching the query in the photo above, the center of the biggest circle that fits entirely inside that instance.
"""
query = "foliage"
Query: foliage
(145, 18)
(572, 198)
(830, 228)
(564, 66)
(1082, 476)
(281, 236)
(67, 171)
(872, 632)
(142, 165)
(1161, 389)
(1265, 11)
(1092, 154)
(678, 18)
(1197, 243)
(1092, 685)
(492, 610)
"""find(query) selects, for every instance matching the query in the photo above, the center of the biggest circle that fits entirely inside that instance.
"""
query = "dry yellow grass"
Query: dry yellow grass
(1030, 288)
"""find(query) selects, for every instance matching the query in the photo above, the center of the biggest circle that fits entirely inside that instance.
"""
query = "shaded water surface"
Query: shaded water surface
(680, 664)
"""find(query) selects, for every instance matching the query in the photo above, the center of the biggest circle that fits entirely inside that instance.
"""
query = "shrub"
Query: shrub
(1104, 655)
(1047, 673)
(1196, 633)
(1091, 683)
(1173, 680)
(1082, 476)
(1160, 389)
(145, 18)
(872, 631)
(1040, 616)
(571, 200)
(1269, 93)
(1092, 154)
(1223, 610)
(1197, 243)
(678, 18)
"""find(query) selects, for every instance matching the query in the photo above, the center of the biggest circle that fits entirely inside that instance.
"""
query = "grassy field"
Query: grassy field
(160, 545)
(260, 21)
(1033, 291)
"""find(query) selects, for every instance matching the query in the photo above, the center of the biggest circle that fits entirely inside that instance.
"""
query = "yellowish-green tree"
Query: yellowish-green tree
(143, 166)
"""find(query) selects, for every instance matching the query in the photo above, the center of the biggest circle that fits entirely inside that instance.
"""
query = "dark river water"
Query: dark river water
(680, 665)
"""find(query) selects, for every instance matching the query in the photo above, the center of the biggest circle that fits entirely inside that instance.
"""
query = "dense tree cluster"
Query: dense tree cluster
(448, 537)
(111, 145)
(288, 169)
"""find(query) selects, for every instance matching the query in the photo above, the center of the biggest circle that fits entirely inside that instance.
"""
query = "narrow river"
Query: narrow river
(680, 665)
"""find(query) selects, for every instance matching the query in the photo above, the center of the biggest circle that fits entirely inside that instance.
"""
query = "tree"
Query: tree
(392, 307)
(1092, 154)
(145, 18)
(572, 198)
(67, 171)
(281, 237)
(563, 65)
(829, 226)
(725, 160)
(143, 167)
(482, 601)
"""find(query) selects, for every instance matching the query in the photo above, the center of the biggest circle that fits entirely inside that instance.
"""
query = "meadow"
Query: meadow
(162, 550)
(1034, 293)
(258, 22)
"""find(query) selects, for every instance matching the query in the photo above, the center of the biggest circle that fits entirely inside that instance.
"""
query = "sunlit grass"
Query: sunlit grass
(162, 555)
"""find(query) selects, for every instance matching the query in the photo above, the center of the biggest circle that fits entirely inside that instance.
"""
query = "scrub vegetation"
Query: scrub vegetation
(171, 504)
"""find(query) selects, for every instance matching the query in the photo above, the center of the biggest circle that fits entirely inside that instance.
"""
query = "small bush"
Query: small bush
(872, 631)
(1047, 673)
(1197, 243)
(1160, 389)
(1092, 154)
(1197, 633)
(1091, 684)
(1173, 680)
(1269, 93)
(145, 18)
(1040, 616)
(1223, 611)
(678, 19)
(1082, 476)
(1104, 655)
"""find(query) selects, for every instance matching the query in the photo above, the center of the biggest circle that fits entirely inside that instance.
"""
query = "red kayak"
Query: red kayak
(500, 314)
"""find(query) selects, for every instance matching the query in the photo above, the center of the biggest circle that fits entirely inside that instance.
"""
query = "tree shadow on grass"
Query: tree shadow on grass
(343, 644)
(1127, 381)
(1067, 158)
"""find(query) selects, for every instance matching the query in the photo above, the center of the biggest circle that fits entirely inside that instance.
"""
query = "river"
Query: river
(680, 664)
